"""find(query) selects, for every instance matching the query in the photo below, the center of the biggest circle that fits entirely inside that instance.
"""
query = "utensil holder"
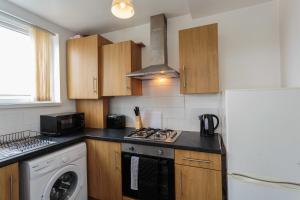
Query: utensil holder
(138, 122)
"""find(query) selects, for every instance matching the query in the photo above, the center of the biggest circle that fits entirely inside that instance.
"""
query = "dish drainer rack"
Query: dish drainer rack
(23, 141)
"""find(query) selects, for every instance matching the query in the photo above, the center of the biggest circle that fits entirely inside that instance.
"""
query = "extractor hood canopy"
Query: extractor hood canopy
(159, 55)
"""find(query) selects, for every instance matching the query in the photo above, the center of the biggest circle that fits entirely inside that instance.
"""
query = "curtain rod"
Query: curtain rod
(25, 22)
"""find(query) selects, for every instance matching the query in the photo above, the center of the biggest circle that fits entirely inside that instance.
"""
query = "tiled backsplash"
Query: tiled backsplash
(178, 111)
(13, 120)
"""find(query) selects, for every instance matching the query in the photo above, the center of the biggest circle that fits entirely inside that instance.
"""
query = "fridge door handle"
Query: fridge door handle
(246, 178)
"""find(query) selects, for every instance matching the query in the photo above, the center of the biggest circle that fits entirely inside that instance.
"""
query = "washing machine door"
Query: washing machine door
(65, 184)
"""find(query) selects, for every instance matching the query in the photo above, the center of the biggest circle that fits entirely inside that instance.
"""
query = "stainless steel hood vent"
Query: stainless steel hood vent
(159, 55)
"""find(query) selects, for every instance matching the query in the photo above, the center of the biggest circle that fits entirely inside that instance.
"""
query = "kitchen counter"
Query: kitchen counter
(187, 141)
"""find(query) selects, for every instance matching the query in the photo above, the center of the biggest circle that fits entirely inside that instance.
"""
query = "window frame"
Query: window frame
(20, 101)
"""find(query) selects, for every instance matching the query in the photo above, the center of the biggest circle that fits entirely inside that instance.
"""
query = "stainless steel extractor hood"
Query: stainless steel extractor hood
(159, 55)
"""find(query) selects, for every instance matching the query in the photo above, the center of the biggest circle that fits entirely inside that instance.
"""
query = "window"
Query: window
(16, 65)
(28, 66)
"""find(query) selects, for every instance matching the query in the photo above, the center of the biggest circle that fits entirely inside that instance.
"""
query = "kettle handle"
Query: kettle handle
(217, 121)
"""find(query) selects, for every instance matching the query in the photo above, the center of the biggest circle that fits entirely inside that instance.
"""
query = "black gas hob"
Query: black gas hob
(155, 135)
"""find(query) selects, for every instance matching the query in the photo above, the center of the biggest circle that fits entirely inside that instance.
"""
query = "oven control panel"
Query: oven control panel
(148, 150)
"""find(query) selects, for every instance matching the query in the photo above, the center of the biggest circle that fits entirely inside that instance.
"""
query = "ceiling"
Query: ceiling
(88, 16)
(200, 8)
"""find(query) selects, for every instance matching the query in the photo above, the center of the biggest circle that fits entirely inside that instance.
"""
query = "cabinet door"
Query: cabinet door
(198, 49)
(104, 170)
(82, 68)
(194, 183)
(92, 170)
(118, 60)
(9, 182)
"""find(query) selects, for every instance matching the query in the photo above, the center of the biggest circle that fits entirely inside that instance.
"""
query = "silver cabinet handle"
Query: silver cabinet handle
(116, 162)
(197, 160)
(181, 180)
(95, 85)
(128, 83)
(184, 76)
(11, 187)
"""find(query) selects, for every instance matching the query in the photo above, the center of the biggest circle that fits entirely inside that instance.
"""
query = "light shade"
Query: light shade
(122, 8)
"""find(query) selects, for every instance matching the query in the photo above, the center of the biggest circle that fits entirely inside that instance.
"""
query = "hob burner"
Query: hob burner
(155, 135)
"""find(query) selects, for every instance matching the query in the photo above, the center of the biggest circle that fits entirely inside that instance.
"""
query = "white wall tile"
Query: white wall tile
(173, 112)
(176, 124)
(163, 90)
(194, 113)
(164, 82)
(178, 111)
(205, 100)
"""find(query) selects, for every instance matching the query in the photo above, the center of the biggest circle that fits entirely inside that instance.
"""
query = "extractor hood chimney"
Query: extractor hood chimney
(159, 55)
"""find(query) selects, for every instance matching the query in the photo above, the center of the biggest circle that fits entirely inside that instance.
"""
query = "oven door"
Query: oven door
(166, 185)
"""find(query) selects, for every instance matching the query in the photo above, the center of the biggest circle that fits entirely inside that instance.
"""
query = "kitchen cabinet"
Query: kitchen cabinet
(95, 112)
(104, 170)
(84, 67)
(9, 182)
(119, 59)
(198, 176)
(198, 55)
(194, 183)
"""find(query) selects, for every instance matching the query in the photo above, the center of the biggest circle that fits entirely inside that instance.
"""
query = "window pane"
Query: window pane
(16, 63)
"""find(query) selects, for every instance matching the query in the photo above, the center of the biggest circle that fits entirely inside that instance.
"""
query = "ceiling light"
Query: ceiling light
(122, 9)
(161, 79)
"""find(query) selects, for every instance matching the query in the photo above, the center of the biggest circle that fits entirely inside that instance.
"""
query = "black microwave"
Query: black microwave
(61, 123)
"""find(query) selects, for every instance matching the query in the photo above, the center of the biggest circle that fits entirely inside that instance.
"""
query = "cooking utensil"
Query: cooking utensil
(138, 120)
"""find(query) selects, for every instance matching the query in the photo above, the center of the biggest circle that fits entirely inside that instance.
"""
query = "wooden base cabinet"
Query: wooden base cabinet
(9, 182)
(198, 176)
(104, 170)
(194, 183)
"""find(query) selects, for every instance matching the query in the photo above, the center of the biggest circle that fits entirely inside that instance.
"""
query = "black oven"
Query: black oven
(159, 179)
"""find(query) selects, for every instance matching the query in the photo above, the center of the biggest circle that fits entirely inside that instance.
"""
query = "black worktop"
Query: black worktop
(187, 141)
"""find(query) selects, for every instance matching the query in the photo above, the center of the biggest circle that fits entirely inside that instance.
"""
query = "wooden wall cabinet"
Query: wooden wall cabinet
(198, 54)
(104, 170)
(84, 67)
(9, 182)
(120, 59)
(198, 176)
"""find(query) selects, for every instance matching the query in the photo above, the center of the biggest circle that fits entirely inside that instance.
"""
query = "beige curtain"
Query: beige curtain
(43, 60)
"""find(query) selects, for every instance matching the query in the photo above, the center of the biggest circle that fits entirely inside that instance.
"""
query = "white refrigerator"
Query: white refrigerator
(262, 138)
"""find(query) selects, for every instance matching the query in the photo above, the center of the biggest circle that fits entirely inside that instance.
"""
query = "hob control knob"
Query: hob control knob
(131, 148)
(160, 152)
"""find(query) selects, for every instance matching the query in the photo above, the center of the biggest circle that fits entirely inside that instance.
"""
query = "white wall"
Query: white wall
(249, 57)
(289, 14)
(12, 120)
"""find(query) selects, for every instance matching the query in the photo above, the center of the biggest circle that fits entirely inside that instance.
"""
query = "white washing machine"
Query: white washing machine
(57, 176)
